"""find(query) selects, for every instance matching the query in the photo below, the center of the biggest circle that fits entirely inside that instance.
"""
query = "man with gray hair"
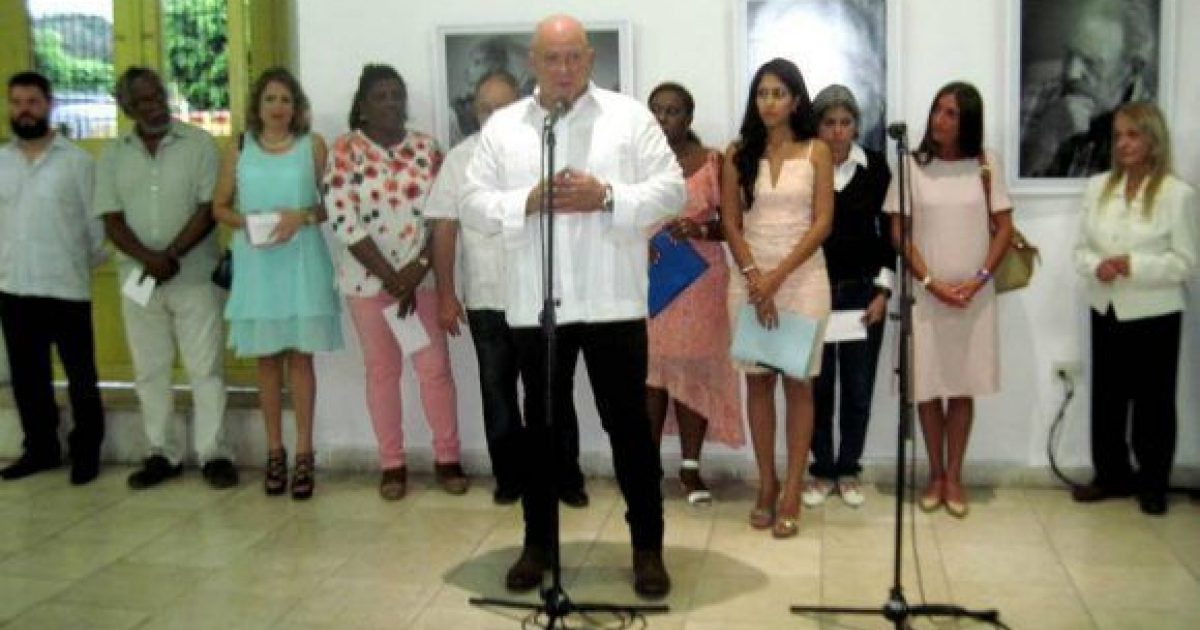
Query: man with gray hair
(1067, 105)
(154, 189)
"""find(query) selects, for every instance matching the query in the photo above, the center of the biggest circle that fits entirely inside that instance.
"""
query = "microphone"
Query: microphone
(897, 130)
(560, 109)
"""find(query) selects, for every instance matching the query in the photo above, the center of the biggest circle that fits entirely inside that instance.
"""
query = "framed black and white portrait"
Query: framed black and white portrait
(1077, 61)
(851, 42)
(464, 54)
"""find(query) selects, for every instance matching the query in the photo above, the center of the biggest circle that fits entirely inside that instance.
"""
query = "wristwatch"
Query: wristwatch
(608, 198)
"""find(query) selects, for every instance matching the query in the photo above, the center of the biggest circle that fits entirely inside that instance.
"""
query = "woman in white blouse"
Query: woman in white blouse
(1137, 249)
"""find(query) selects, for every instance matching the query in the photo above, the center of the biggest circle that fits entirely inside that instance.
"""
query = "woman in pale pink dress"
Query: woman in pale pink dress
(777, 209)
(689, 340)
(954, 250)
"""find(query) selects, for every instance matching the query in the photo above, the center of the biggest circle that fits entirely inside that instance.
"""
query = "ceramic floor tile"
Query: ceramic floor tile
(62, 559)
(58, 616)
(133, 586)
(185, 556)
(1150, 588)
(22, 593)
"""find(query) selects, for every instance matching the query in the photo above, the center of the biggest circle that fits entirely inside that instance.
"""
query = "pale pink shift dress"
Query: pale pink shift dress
(779, 218)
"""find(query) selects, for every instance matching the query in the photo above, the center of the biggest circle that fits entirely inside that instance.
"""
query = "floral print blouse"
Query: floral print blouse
(377, 192)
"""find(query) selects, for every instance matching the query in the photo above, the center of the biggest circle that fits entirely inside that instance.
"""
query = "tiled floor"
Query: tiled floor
(186, 557)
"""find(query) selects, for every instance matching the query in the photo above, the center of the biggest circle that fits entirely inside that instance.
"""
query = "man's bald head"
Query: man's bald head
(561, 58)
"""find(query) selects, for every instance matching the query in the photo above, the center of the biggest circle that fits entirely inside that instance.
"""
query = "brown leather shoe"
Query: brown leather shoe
(526, 573)
(650, 579)
(393, 483)
(451, 478)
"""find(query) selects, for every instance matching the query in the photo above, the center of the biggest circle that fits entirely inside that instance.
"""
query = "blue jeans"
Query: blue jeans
(853, 362)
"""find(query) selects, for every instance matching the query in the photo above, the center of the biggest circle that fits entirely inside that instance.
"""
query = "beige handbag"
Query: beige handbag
(1018, 263)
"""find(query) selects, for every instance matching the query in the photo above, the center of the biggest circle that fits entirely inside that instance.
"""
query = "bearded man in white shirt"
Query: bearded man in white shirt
(617, 176)
(49, 243)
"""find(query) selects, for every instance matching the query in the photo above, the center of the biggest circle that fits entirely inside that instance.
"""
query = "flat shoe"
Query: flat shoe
(958, 506)
(933, 497)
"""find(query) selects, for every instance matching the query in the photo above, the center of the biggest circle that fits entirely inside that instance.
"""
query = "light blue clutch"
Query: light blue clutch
(787, 348)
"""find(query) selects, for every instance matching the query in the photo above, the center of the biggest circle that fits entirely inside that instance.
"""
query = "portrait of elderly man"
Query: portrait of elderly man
(1080, 60)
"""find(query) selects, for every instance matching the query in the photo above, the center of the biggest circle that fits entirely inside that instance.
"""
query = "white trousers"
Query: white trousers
(188, 315)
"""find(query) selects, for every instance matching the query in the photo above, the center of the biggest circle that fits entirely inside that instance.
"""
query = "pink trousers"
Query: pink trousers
(385, 362)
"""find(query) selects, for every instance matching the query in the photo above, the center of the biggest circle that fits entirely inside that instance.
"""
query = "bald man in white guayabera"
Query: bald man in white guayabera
(617, 178)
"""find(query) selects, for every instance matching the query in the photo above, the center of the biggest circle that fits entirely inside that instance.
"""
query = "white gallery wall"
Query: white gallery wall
(692, 41)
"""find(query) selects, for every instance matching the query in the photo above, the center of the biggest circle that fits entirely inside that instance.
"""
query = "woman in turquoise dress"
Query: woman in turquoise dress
(282, 305)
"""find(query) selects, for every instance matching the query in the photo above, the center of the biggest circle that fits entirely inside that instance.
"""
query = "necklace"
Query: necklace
(277, 144)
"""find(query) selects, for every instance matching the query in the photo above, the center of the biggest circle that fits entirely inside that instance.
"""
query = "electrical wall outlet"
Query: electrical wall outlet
(1069, 368)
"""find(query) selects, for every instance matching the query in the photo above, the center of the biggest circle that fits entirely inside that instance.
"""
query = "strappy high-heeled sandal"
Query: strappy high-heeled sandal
(275, 481)
(303, 480)
(693, 486)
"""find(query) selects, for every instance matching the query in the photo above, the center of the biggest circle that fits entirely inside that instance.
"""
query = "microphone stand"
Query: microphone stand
(556, 605)
(897, 609)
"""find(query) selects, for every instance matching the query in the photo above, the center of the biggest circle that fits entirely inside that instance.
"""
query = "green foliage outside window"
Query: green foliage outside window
(198, 51)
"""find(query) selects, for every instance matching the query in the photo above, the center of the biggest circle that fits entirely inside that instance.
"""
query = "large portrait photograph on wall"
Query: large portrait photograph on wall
(468, 53)
(831, 41)
(1078, 61)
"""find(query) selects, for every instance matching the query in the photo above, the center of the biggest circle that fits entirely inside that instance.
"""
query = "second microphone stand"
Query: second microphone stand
(556, 605)
(897, 609)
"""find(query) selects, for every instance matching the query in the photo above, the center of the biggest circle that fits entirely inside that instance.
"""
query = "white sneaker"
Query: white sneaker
(815, 492)
(851, 491)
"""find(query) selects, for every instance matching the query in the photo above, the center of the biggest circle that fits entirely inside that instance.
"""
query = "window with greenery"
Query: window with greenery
(73, 46)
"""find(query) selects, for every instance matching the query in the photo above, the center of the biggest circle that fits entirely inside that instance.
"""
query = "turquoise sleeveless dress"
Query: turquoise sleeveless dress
(283, 295)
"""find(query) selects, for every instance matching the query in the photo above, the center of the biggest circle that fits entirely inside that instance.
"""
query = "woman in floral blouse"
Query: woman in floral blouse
(376, 182)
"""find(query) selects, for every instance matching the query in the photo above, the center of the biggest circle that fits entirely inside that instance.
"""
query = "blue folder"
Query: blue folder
(787, 348)
(677, 268)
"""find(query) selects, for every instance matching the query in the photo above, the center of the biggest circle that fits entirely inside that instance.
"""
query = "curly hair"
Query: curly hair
(373, 73)
(300, 122)
(124, 87)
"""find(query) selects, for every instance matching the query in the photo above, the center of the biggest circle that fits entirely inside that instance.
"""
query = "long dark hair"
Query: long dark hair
(752, 143)
(689, 103)
(373, 73)
(970, 122)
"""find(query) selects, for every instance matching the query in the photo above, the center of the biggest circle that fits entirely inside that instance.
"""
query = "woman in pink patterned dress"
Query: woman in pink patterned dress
(689, 340)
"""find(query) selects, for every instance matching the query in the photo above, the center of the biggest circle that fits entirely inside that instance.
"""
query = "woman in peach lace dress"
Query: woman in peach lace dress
(689, 340)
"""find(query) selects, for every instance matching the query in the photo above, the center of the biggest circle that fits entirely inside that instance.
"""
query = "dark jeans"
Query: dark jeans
(1134, 377)
(853, 362)
(615, 356)
(496, 352)
(31, 326)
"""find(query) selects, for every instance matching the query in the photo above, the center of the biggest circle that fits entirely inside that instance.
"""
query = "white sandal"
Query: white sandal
(696, 495)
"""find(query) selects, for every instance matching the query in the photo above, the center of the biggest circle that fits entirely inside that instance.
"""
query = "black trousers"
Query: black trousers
(32, 325)
(498, 374)
(615, 356)
(1135, 368)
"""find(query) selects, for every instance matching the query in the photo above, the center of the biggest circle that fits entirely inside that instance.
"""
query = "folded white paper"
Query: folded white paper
(409, 332)
(260, 227)
(139, 286)
(845, 326)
